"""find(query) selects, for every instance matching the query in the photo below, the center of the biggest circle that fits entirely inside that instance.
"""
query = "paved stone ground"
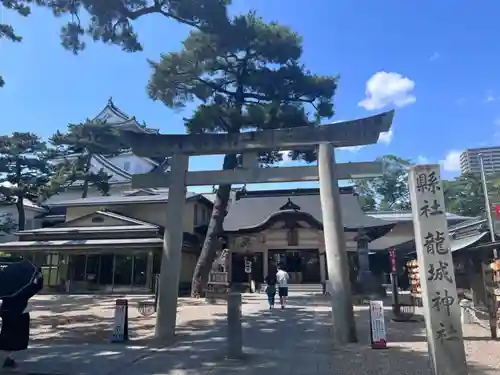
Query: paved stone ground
(294, 341)
(88, 319)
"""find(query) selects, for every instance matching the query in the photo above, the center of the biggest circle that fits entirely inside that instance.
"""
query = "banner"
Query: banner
(378, 337)
(120, 325)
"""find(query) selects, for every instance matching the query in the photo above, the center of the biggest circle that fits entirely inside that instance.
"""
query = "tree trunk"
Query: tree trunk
(88, 164)
(20, 211)
(21, 217)
(215, 230)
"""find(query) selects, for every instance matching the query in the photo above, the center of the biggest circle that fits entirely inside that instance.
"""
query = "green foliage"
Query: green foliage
(465, 196)
(93, 136)
(389, 191)
(7, 31)
(7, 225)
(24, 169)
(24, 166)
(77, 146)
(249, 77)
(111, 21)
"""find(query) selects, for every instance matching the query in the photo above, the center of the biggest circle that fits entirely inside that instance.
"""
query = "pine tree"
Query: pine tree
(389, 192)
(7, 224)
(111, 22)
(78, 145)
(24, 169)
(247, 76)
(464, 195)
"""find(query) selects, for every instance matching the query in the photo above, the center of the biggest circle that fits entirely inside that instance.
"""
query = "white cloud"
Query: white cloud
(422, 160)
(434, 56)
(386, 137)
(351, 148)
(490, 97)
(451, 163)
(383, 89)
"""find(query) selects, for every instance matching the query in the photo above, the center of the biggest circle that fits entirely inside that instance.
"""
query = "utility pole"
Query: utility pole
(487, 203)
(489, 294)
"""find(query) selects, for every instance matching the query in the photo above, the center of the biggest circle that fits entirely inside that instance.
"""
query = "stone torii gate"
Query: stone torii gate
(179, 147)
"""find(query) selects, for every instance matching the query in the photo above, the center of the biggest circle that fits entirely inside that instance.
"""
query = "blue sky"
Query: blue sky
(435, 62)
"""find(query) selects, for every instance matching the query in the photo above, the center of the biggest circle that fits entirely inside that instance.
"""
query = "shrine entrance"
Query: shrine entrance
(302, 265)
(238, 274)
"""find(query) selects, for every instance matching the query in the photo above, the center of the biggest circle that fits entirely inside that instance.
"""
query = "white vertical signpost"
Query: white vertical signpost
(439, 291)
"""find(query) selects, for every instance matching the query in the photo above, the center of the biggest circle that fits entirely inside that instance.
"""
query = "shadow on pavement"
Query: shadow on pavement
(83, 319)
(296, 340)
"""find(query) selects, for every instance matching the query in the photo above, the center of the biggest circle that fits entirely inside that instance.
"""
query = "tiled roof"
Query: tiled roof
(88, 229)
(252, 209)
(57, 245)
(119, 199)
(127, 121)
(407, 216)
(114, 215)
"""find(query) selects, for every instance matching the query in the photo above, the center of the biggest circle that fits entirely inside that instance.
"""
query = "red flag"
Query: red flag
(497, 210)
(392, 257)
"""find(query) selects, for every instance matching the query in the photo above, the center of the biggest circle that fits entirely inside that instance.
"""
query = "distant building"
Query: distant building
(469, 160)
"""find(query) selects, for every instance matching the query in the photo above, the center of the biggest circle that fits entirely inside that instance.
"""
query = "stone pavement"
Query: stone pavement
(294, 341)
(88, 319)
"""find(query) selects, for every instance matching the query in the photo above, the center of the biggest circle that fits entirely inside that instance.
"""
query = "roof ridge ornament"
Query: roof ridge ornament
(289, 205)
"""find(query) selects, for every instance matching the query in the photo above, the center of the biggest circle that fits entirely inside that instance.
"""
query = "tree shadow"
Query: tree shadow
(75, 319)
(296, 340)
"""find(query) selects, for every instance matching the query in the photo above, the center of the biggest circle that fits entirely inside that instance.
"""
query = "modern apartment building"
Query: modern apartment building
(469, 160)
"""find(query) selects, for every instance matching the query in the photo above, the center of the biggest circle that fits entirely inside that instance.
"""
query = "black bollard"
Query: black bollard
(396, 310)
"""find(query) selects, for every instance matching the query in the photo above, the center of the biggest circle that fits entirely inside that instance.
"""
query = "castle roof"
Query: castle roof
(113, 115)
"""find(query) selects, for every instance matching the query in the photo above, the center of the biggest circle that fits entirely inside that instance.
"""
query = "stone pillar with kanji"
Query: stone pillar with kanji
(437, 276)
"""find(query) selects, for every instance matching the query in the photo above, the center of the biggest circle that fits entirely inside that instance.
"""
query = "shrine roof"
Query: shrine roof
(255, 210)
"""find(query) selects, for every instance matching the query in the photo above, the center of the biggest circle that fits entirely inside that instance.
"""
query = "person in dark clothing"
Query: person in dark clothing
(15, 331)
(404, 279)
(14, 335)
(271, 291)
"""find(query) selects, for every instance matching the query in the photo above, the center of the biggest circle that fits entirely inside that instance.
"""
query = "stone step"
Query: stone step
(310, 288)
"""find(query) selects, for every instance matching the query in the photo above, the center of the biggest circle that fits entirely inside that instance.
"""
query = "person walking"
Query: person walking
(282, 278)
(271, 291)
